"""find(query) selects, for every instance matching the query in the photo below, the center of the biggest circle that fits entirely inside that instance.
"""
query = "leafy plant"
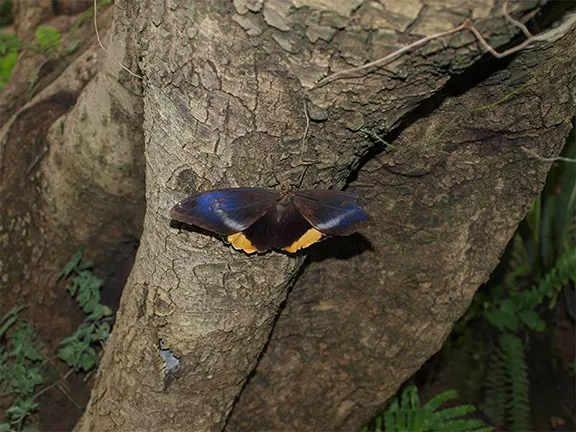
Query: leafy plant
(8, 57)
(21, 357)
(20, 364)
(511, 306)
(507, 385)
(406, 414)
(78, 350)
(48, 38)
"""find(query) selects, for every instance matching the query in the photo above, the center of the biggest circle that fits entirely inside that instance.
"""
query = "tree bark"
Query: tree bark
(223, 106)
(446, 203)
(71, 174)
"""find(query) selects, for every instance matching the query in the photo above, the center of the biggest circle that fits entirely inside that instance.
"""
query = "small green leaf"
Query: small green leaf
(9, 319)
(102, 332)
(502, 320)
(439, 399)
(48, 38)
(70, 265)
(7, 63)
(33, 354)
(8, 44)
(532, 320)
(22, 408)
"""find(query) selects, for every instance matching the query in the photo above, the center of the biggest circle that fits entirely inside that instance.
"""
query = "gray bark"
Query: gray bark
(223, 107)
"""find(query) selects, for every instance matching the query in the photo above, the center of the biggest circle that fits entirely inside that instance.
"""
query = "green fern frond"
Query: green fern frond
(443, 416)
(518, 404)
(439, 399)
(406, 414)
(496, 393)
(474, 425)
(559, 276)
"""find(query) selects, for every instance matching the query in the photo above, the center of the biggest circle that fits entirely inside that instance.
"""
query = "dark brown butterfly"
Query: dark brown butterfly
(257, 220)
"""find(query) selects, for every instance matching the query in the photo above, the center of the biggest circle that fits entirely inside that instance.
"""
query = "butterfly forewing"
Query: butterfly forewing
(331, 212)
(225, 211)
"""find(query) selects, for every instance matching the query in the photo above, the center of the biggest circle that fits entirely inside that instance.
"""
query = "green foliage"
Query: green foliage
(48, 38)
(507, 385)
(406, 414)
(78, 350)
(496, 394)
(543, 253)
(510, 305)
(22, 360)
(8, 57)
(555, 229)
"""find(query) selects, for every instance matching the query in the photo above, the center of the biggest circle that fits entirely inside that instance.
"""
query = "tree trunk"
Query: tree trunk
(223, 98)
(223, 108)
(446, 202)
(71, 173)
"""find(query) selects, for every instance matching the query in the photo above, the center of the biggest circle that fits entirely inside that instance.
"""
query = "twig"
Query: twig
(108, 52)
(55, 384)
(545, 159)
(350, 73)
(72, 401)
(60, 387)
(517, 23)
(491, 50)
(466, 24)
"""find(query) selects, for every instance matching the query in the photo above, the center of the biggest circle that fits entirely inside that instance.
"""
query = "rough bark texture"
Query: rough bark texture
(445, 202)
(223, 92)
(70, 169)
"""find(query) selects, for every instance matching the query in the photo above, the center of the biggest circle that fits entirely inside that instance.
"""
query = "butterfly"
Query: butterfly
(258, 220)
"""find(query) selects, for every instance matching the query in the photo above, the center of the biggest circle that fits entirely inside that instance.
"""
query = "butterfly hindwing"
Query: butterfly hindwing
(331, 212)
(225, 211)
(281, 227)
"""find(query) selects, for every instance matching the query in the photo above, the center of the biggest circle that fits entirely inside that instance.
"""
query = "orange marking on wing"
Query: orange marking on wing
(240, 242)
(310, 237)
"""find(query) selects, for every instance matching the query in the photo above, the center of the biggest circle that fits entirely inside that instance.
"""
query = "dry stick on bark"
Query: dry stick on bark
(466, 25)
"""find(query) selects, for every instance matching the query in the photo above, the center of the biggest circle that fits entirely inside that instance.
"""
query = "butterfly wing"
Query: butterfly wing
(282, 227)
(331, 212)
(225, 211)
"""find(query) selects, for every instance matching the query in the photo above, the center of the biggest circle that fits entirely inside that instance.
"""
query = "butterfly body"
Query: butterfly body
(257, 220)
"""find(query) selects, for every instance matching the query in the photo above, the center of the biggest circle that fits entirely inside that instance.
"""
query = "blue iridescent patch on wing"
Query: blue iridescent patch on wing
(225, 211)
(331, 212)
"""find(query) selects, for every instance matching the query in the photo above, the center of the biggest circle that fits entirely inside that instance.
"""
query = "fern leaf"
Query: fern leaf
(439, 399)
(496, 390)
(517, 370)
(453, 412)
(390, 419)
(472, 425)
(559, 276)
(378, 424)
